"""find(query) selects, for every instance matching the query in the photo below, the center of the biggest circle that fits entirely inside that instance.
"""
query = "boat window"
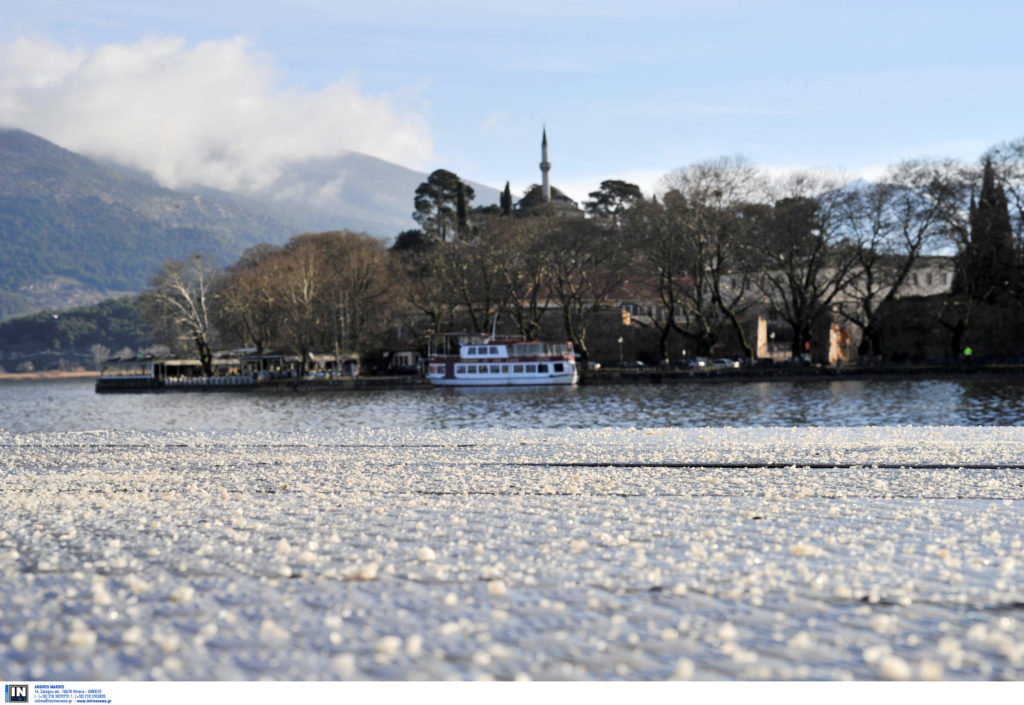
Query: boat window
(531, 368)
(471, 350)
(517, 369)
(494, 351)
(460, 369)
(542, 367)
(559, 367)
(494, 369)
(504, 369)
(471, 369)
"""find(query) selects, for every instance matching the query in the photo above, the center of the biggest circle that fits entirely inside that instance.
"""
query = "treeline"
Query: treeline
(81, 336)
(722, 242)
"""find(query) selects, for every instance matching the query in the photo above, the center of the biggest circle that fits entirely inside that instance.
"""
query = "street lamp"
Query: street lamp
(620, 349)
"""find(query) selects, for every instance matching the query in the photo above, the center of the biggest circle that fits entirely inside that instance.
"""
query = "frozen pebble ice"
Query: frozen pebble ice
(595, 554)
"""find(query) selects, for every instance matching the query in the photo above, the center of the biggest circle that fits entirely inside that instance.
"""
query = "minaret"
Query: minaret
(545, 167)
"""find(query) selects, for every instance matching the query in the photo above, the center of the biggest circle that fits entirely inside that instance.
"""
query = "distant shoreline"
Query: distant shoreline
(648, 375)
(50, 374)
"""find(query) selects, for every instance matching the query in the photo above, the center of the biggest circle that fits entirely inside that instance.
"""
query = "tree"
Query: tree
(946, 186)
(178, 302)
(523, 272)
(100, 354)
(584, 266)
(990, 266)
(805, 261)
(360, 287)
(701, 251)
(613, 200)
(889, 226)
(653, 227)
(330, 291)
(506, 200)
(1007, 159)
(411, 240)
(436, 204)
(248, 303)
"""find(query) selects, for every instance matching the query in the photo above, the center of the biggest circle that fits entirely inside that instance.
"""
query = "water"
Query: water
(72, 405)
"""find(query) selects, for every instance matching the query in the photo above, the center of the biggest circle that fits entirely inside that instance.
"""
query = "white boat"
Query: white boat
(464, 360)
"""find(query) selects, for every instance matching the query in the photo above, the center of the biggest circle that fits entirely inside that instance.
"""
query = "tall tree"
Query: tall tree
(436, 204)
(991, 269)
(585, 265)
(178, 304)
(247, 299)
(889, 226)
(613, 200)
(506, 200)
(806, 262)
(946, 187)
(705, 249)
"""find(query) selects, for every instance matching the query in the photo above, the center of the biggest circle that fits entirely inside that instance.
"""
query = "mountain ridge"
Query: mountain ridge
(75, 230)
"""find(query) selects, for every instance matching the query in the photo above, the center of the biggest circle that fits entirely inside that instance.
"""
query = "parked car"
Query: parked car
(724, 362)
(623, 364)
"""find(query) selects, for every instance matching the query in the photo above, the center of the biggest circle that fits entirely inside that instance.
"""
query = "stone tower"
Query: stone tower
(545, 167)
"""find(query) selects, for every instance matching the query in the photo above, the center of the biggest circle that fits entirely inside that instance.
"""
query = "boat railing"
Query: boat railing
(232, 381)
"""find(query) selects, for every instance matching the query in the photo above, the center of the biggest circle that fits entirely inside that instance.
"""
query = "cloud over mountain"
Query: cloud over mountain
(209, 114)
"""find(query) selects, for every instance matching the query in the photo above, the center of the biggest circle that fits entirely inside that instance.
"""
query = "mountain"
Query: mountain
(74, 231)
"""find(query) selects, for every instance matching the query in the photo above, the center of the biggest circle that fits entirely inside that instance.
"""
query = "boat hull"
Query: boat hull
(507, 381)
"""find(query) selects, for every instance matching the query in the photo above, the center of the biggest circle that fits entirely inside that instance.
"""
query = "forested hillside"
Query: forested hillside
(78, 336)
(73, 231)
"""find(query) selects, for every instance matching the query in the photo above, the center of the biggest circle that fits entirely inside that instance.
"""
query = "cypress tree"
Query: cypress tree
(506, 200)
(460, 208)
(990, 268)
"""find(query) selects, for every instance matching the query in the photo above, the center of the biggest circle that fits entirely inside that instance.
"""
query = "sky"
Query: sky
(226, 92)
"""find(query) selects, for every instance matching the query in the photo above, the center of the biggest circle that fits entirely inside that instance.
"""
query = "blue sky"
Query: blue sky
(223, 92)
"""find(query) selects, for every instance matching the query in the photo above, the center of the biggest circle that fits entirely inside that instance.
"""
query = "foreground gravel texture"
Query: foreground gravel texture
(648, 554)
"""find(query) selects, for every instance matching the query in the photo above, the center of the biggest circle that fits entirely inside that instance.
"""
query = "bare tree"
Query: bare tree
(178, 304)
(359, 286)
(521, 268)
(889, 227)
(247, 311)
(700, 251)
(947, 186)
(805, 260)
(584, 266)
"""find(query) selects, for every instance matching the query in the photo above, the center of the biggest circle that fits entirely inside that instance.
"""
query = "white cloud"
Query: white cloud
(208, 114)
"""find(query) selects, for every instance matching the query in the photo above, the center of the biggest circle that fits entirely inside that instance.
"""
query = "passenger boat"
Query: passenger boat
(466, 360)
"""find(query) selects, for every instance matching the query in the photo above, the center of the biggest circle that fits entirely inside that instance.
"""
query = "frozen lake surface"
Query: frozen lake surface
(609, 553)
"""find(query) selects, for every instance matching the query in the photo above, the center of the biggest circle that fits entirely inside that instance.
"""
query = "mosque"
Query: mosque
(545, 199)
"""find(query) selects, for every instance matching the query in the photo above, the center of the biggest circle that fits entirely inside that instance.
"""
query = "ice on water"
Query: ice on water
(773, 553)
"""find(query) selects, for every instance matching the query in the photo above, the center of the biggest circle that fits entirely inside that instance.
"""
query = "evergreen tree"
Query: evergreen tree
(506, 200)
(461, 216)
(989, 263)
(436, 207)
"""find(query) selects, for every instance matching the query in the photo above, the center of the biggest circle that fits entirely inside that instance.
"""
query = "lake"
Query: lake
(72, 405)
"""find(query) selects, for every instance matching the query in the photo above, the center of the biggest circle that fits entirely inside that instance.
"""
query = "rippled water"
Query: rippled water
(72, 405)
